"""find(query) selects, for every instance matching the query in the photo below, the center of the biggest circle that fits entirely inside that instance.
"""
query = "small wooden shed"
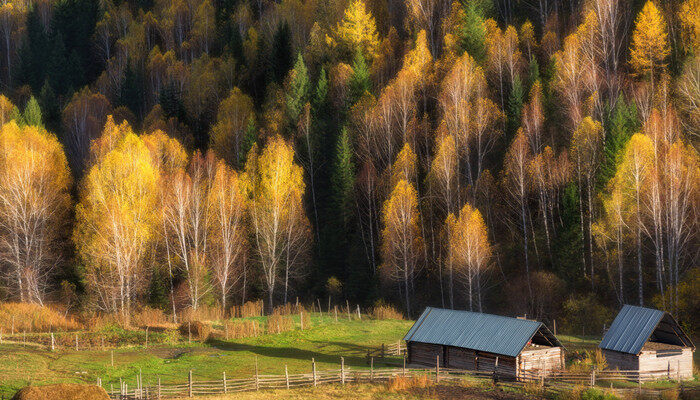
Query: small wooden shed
(483, 342)
(649, 341)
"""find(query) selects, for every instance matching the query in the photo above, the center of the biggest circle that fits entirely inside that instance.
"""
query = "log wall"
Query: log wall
(425, 353)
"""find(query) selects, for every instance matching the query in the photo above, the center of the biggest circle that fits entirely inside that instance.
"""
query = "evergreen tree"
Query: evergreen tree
(472, 30)
(281, 52)
(622, 123)
(32, 113)
(360, 82)
(514, 106)
(298, 90)
(51, 109)
(343, 178)
(133, 91)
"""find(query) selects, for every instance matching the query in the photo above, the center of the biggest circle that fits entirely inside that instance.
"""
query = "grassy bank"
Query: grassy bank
(325, 341)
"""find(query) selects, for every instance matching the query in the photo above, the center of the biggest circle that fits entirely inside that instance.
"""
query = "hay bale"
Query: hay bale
(62, 391)
(199, 330)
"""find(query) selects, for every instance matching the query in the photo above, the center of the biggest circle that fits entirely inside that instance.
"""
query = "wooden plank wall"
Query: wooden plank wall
(655, 361)
(547, 359)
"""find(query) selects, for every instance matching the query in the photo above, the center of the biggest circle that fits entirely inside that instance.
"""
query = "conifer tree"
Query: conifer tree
(649, 42)
(360, 82)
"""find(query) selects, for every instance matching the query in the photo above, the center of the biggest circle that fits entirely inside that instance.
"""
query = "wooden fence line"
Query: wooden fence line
(557, 379)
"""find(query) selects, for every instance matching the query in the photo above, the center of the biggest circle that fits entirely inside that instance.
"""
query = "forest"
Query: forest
(524, 157)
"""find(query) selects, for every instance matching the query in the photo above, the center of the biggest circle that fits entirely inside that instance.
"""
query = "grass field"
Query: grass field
(325, 341)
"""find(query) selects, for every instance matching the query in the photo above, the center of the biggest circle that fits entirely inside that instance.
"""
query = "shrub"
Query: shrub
(148, 316)
(581, 393)
(385, 312)
(585, 315)
(202, 313)
(533, 389)
(29, 317)
(401, 383)
(248, 309)
(279, 323)
(242, 329)
(199, 330)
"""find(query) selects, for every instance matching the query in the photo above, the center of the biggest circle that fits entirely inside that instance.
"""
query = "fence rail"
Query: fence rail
(554, 379)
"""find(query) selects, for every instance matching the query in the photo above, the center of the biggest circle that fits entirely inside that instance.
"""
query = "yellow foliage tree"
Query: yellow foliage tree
(115, 219)
(34, 205)
(358, 31)
(236, 115)
(649, 41)
(227, 208)
(689, 15)
(402, 243)
(279, 226)
(470, 248)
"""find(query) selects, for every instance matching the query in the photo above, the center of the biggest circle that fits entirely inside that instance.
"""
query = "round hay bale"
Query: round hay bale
(62, 391)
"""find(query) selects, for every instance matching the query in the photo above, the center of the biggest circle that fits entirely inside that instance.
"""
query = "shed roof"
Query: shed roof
(634, 326)
(477, 331)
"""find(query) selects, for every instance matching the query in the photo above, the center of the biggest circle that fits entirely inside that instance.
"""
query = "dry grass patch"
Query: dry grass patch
(28, 317)
(63, 391)
(248, 309)
(386, 312)
(402, 383)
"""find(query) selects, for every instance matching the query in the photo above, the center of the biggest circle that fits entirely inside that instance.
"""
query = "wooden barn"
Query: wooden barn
(483, 342)
(649, 341)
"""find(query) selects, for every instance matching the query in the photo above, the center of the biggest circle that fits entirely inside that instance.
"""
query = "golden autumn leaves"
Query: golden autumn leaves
(34, 205)
(143, 195)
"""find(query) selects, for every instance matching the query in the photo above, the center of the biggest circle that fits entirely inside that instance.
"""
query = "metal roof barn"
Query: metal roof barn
(634, 326)
(477, 331)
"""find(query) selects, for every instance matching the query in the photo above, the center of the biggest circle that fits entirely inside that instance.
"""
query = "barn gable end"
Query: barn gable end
(649, 341)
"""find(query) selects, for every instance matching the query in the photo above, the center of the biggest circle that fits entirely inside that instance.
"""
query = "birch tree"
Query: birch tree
(35, 201)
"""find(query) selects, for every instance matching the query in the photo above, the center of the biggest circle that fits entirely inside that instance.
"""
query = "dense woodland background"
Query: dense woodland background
(519, 157)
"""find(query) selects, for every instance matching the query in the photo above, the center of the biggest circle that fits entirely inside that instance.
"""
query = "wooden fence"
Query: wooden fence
(559, 380)
(342, 375)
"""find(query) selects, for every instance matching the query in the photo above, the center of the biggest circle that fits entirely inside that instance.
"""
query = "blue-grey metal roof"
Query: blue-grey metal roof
(477, 331)
(634, 326)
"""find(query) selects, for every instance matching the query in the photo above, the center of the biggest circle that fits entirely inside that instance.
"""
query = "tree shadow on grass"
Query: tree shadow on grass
(352, 357)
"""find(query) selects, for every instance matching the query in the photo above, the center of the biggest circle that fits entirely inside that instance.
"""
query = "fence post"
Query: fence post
(404, 366)
(495, 372)
(140, 383)
(371, 369)
(190, 393)
(76, 342)
(301, 319)
(146, 337)
(313, 369)
(342, 370)
(112, 358)
(226, 329)
(121, 388)
(286, 376)
(347, 307)
(24, 337)
(335, 308)
(224, 381)
(437, 368)
(52, 342)
(320, 311)
(102, 339)
(0, 336)
(257, 378)
(159, 388)
(358, 313)
(189, 333)
(593, 378)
